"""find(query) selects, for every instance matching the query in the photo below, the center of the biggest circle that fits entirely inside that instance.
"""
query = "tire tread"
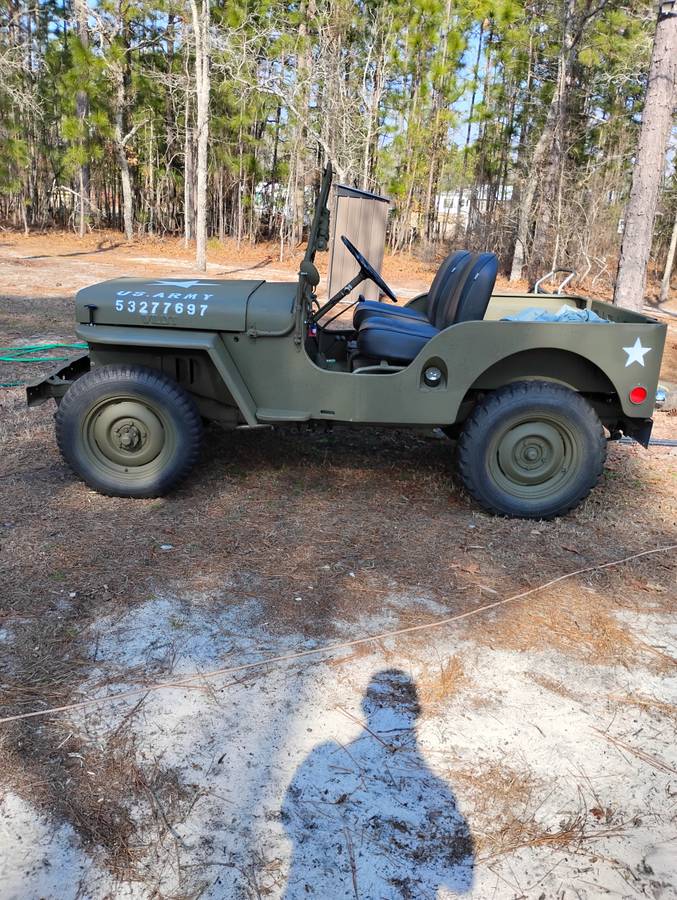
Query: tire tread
(491, 405)
(175, 395)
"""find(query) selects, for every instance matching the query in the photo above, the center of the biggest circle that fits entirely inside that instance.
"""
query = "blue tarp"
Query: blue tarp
(569, 314)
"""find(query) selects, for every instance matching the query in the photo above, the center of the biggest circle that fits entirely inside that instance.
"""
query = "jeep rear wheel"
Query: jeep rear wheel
(532, 449)
(128, 431)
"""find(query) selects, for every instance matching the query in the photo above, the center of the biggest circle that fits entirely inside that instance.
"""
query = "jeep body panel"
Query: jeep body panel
(271, 308)
(464, 352)
(275, 380)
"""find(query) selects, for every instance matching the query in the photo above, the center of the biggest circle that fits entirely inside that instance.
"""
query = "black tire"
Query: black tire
(128, 431)
(531, 450)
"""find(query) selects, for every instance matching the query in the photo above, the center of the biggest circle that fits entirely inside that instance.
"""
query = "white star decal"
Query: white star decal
(636, 353)
(186, 284)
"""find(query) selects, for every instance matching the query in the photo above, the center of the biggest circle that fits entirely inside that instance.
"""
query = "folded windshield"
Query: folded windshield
(318, 237)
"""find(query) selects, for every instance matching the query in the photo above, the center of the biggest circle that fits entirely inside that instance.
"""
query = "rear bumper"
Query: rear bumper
(639, 430)
(58, 381)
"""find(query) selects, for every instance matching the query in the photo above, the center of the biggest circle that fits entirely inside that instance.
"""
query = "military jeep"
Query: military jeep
(526, 402)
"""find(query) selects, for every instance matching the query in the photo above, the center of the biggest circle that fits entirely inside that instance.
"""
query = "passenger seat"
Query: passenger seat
(398, 339)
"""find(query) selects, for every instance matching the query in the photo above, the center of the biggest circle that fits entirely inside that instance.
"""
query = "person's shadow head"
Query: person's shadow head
(391, 699)
(370, 818)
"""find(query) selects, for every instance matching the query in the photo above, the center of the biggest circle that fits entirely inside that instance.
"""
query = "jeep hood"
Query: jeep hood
(192, 303)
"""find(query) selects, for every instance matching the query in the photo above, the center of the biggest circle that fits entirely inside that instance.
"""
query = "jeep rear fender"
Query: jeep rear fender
(159, 339)
(484, 349)
(563, 366)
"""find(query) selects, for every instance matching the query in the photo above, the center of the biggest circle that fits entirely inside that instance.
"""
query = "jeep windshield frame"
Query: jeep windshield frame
(318, 239)
(318, 236)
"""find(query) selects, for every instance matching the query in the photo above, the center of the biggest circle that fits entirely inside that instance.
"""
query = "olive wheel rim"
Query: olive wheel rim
(535, 457)
(128, 437)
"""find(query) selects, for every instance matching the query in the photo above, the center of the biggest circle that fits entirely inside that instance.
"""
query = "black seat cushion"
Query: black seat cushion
(399, 340)
(454, 285)
(475, 293)
(444, 283)
(365, 309)
(393, 339)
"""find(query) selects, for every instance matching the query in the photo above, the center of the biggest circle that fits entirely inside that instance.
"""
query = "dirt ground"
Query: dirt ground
(524, 751)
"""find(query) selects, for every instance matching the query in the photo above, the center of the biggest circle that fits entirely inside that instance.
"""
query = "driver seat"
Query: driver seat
(445, 281)
(398, 339)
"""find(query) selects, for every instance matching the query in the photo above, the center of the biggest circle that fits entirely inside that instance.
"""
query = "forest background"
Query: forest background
(508, 125)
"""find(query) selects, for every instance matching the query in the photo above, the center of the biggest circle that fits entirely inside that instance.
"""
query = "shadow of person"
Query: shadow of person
(370, 819)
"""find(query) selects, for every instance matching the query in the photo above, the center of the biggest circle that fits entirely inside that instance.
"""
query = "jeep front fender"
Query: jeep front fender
(173, 339)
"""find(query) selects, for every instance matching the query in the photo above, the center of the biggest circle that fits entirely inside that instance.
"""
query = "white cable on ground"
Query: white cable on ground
(330, 648)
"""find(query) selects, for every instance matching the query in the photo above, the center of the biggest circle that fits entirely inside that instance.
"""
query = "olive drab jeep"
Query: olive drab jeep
(527, 402)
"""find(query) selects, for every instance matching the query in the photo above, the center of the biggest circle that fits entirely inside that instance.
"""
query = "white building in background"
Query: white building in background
(452, 207)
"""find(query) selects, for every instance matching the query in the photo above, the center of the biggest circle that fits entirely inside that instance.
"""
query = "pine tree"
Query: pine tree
(527, 112)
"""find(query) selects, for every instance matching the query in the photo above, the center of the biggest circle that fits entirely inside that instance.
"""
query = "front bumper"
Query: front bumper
(58, 381)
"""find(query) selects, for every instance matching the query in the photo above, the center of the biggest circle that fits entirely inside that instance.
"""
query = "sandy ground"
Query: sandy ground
(514, 774)
(524, 751)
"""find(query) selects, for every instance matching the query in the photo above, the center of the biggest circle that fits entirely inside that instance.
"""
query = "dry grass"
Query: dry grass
(505, 806)
(649, 705)
(581, 622)
(114, 802)
(439, 685)
(504, 809)
(648, 758)
(554, 686)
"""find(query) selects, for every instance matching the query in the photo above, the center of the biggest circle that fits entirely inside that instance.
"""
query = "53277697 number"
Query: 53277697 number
(161, 307)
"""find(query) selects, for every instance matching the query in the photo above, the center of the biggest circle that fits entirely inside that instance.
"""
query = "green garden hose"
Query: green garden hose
(34, 354)
(25, 354)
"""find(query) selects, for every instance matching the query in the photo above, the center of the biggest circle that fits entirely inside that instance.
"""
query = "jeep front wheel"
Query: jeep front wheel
(532, 450)
(128, 431)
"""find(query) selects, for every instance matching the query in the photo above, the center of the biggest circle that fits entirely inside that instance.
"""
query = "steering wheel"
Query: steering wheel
(367, 269)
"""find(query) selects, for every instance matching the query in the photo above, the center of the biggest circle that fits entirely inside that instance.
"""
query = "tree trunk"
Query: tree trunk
(551, 174)
(120, 140)
(669, 263)
(240, 185)
(188, 178)
(273, 171)
(81, 111)
(466, 148)
(222, 219)
(201, 22)
(518, 255)
(127, 198)
(646, 179)
(479, 192)
(527, 195)
(151, 181)
(188, 156)
(306, 14)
